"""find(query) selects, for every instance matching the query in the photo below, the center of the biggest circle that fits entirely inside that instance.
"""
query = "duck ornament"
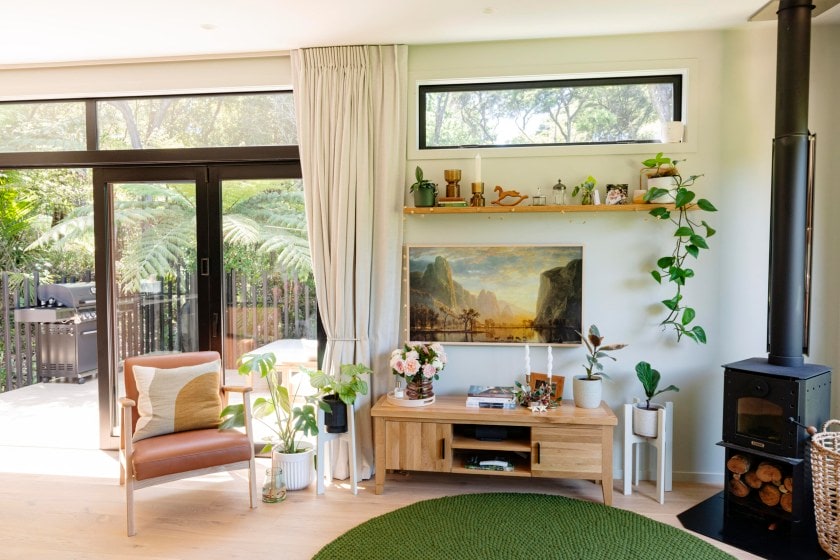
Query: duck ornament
(508, 198)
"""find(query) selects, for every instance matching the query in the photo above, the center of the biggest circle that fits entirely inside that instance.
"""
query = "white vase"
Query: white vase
(587, 392)
(298, 468)
(646, 422)
(662, 183)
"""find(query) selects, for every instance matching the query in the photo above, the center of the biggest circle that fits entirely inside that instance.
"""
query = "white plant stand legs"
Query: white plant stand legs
(662, 443)
(323, 465)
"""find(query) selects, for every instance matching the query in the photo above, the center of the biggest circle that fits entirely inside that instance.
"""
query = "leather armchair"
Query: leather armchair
(165, 458)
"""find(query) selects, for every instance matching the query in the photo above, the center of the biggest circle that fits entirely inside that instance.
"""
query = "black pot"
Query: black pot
(335, 421)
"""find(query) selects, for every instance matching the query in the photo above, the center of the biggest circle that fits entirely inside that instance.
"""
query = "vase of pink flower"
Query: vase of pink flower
(419, 364)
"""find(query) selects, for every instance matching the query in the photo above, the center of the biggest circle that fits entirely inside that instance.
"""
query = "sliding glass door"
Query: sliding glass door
(198, 258)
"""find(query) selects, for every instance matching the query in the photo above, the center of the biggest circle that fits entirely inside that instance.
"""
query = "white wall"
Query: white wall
(729, 132)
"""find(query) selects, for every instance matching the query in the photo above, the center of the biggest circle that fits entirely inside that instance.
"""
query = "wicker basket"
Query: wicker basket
(825, 469)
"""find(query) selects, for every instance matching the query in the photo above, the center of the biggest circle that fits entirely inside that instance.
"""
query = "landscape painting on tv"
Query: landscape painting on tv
(511, 294)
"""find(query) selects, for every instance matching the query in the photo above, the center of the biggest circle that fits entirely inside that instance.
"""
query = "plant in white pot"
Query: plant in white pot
(661, 174)
(338, 391)
(587, 388)
(645, 415)
(292, 421)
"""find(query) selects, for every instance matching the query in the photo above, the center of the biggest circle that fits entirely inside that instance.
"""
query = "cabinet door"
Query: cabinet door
(418, 446)
(567, 452)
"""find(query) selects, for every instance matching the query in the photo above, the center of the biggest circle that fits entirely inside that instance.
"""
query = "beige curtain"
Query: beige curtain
(351, 114)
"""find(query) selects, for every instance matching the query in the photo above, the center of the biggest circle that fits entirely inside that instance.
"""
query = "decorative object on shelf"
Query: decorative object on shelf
(587, 388)
(419, 363)
(508, 198)
(477, 178)
(477, 195)
(586, 190)
(528, 396)
(616, 194)
(539, 198)
(559, 191)
(688, 240)
(639, 196)
(445, 282)
(658, 172)
(338, 391)
(274, 486)
(452, 177)
(541, 381)
(424, 190)
(451, 202)
(645, 416)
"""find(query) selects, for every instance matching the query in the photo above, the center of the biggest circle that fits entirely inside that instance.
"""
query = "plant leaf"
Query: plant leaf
(688, 315)
(684, 196)
(683, 231)
(656, 276)
(698, 241)
(672, 303)
(661, 213)
(710, 231)
(665, 262)
(699, 333)
(706, 205)
(692, 250)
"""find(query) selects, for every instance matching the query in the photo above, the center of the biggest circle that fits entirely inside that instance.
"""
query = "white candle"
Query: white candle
(477, 168)
(549, 363)
(527, 360)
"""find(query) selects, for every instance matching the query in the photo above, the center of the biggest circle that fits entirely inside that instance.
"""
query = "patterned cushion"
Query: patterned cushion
(177, 400)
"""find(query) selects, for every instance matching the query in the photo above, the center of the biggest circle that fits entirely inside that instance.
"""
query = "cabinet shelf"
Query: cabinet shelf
(410, 210)
(461, 442)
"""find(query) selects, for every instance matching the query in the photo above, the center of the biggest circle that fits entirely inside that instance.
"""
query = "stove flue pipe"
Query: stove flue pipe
(789, 184)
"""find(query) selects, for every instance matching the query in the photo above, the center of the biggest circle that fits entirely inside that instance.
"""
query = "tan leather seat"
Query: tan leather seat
(164, 458)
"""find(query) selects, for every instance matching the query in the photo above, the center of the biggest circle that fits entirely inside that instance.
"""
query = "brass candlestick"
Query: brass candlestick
(478, 195)
(452, 176)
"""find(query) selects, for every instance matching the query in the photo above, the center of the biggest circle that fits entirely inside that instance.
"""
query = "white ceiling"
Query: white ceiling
(50, 31)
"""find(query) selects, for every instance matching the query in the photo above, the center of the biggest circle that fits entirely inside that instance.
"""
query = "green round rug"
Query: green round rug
(498, 526)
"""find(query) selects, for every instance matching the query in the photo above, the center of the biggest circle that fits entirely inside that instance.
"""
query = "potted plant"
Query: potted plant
(645, 415)
(587, 388)
(338, 391)
(424, 190)
(587, 189)
(291, 421)
(660, 172)
(689, 239)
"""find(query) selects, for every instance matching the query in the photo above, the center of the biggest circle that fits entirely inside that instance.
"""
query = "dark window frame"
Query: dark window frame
(675, 79)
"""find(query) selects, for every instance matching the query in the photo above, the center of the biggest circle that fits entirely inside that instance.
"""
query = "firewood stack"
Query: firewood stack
(765, 479)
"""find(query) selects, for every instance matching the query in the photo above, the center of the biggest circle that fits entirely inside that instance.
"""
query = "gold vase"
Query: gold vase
(420, 389)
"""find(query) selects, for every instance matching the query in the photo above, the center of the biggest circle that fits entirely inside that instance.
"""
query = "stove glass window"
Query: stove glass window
(760, 419)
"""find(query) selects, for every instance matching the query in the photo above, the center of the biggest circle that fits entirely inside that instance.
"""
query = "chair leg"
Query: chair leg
(129, 506)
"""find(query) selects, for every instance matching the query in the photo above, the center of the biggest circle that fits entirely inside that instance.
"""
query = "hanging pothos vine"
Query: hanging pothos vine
(690, 238)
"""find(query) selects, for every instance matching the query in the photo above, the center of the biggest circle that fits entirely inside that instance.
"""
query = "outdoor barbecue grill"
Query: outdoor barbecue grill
(66, 333)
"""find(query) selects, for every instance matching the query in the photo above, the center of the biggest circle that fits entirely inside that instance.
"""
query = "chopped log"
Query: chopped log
(738, 464)
(768, 472)
(738, 488)
(787, 502)
(789, 483)
(752, 480)
(769, 495)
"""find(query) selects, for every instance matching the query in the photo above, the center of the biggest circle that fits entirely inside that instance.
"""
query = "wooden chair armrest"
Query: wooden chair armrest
(125, 402)
(237, 388)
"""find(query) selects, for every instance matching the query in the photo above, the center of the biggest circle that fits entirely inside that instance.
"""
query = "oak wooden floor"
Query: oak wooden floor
(67, 503)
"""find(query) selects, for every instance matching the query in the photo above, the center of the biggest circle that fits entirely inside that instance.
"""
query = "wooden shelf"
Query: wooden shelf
(410, 210)
(461, 442)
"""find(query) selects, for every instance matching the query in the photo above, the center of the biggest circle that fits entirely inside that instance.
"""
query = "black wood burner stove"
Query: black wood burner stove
(766, 506)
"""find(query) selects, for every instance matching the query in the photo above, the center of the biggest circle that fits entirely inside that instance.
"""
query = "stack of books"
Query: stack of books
(452, 202)
(482, 396)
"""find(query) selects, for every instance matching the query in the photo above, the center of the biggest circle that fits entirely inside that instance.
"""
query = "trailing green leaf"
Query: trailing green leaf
(665, 262)
(706, 205)
(662, 213)
(692, 250)
(688, 315)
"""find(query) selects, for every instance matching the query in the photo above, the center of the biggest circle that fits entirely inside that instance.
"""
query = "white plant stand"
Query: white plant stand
(323, 465)
(664, 450)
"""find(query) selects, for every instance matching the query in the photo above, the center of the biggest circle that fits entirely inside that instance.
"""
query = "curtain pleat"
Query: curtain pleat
(350, 104)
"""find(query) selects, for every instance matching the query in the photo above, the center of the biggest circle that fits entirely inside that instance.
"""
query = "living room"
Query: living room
(729, 90)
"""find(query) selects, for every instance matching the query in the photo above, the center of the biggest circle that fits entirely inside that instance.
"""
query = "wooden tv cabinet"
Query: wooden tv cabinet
(565, 442)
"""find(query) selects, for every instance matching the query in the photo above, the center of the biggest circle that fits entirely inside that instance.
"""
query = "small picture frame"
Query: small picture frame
(537, 380)
(616, 194)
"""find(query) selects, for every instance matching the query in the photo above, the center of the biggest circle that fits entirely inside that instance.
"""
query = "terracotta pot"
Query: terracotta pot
(587, 392)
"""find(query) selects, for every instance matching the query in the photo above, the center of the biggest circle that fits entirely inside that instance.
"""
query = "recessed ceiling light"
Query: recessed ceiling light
(209, 26)
(488, 11)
